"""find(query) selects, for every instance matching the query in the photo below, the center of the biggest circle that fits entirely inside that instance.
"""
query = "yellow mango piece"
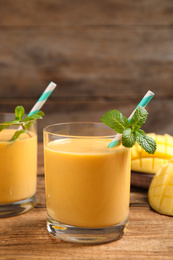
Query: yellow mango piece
(169, 140)
(160, 193)
(171, 182)
(167, 206)
(153, 135)
(157, 163)
(160, 139)
(135, 164)
(147, 165)
(150, 163)
(168, 190)
(156, 202)
(169, 151)
(134, 152)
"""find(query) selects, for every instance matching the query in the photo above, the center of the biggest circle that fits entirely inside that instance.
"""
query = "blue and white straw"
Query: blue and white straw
(42, 99)
(38, 105)
(145, 100)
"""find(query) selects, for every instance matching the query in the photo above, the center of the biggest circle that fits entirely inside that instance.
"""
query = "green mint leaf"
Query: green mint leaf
(35, 116)
(28, 125)
(139, 117)
(130, 129)
(128, 138)
(7, 124)
(135, 127)
(145, 141)
(14, 122)
(115, 120)
(3, 126)
(19, 113)
(140, 132)
(17, 134)
(25, 123)
(40, 113)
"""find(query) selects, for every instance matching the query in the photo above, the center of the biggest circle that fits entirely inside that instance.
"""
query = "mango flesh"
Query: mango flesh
(160, 193)
(141, 161)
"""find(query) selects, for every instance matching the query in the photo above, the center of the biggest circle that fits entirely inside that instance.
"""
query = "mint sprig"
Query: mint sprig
(24, 123)
(128, 137)
(115, 120)
(139, 118)
(130, 129)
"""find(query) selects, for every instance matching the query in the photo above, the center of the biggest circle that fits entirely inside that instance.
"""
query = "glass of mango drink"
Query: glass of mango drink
(18, 169)
(87, 183)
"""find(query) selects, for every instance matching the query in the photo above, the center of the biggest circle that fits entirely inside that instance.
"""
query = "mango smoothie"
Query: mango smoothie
(87, 183)
(18, 166)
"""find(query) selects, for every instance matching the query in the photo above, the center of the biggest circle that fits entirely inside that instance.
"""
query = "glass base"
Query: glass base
(85, 235)
(17, 208)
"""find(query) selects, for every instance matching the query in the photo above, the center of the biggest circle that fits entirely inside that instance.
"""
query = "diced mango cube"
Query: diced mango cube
(135, 164)
(160, 139)
(169, 140)
(157, 163)
(160, 193)
(150, 163)
(169, 191)
(134, 152)
(166, 206)
(147, 164)
(169, 151)
(153, 135)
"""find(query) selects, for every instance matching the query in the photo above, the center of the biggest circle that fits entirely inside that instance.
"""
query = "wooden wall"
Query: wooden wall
(103, 54)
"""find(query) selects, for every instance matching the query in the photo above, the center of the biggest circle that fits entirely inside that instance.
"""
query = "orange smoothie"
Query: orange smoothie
(87, 183)
(18, 166)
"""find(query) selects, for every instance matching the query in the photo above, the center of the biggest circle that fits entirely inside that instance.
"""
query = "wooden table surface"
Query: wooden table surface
(149, 234)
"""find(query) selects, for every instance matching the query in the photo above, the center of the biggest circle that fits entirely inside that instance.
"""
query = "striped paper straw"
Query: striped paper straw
(145, 100)
(43, 98)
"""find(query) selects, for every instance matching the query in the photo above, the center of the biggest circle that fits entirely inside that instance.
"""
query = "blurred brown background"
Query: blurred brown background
(103, 55)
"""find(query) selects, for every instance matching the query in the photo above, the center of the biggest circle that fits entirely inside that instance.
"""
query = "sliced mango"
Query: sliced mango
(141, 161)
(160, 193)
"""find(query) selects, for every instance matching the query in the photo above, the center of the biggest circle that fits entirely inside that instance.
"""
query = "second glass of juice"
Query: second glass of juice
(18, 169)
(87, 183)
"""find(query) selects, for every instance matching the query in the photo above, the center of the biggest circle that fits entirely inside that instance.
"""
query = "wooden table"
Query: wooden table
(149, 235)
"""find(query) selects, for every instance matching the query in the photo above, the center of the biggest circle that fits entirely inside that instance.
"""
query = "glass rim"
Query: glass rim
(45, 130)
(12, 114)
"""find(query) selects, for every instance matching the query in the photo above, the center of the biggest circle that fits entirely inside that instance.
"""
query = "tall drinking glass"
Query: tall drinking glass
(18, 169)
(87, 183)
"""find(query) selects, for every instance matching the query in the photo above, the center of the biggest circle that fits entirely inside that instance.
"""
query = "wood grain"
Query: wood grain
(149, 235)
(140, 179)
(87, 62)
(64, 12)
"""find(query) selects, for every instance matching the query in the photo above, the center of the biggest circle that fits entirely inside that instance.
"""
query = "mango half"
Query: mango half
(141, 161)
(160, 193)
